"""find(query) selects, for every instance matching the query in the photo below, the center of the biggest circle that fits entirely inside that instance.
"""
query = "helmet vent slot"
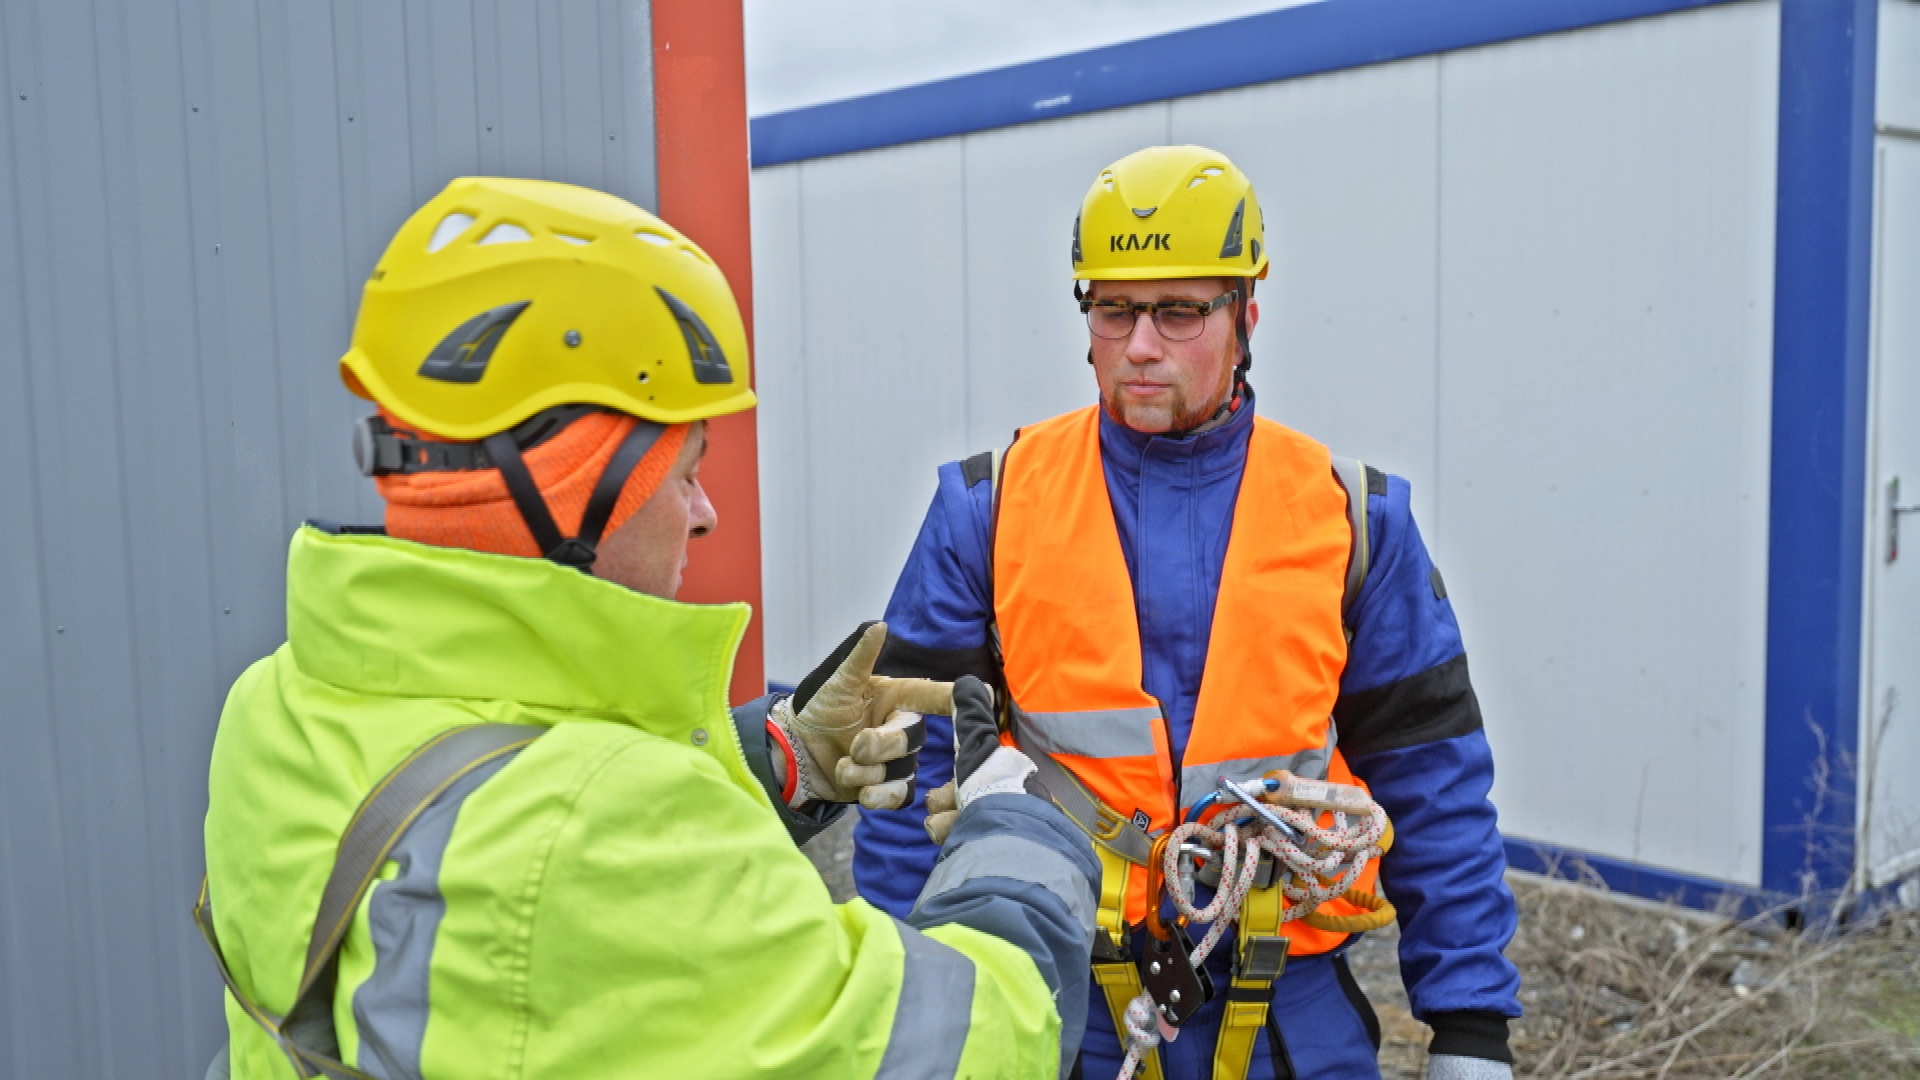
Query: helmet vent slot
(709, 362)
(654, 238)
(462, 356)
(448, 231)
(505, 233)
(581, 241)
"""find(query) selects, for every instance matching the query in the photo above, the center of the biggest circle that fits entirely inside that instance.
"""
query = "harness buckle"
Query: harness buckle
(1108, 951)
(1261, 958)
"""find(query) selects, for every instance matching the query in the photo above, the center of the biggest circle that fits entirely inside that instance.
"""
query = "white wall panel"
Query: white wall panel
(885, 385)
(1898, 70)
(1535, 278)
(780, 377)
(1606, 223)
(1345, 165)
(1026, 341)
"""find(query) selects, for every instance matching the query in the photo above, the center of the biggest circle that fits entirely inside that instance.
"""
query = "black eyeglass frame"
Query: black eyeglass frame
(1152, 309)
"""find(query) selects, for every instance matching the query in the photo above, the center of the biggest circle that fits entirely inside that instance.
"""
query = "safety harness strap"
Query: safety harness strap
(1261, 958)
(1112, 833)
(306, 1033)
(1113, 966)
(1353, 477)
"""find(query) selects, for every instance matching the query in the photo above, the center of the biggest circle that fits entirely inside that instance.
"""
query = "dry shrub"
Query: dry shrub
(1619, 988)
(1616, 989)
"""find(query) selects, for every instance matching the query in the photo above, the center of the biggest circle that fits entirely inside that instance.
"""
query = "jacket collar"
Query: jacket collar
(392, 617)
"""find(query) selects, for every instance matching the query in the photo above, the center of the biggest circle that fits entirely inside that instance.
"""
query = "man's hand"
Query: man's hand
(981, 765)
(855, 734)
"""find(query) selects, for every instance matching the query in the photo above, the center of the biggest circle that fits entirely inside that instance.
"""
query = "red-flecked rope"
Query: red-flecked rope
(1325, 869)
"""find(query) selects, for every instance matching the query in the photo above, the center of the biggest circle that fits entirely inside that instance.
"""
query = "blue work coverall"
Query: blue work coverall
(1406, 719)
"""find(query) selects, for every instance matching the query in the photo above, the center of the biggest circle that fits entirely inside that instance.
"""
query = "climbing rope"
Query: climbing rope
(1320, 864)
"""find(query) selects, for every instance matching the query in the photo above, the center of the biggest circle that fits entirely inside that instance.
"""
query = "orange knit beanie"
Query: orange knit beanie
(473, 509)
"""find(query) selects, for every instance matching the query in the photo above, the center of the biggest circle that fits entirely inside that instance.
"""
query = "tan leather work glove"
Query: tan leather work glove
(856, 736)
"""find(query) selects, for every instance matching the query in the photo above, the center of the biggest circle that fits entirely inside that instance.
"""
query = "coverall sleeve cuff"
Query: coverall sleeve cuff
(1470, 1033)
(750, 723)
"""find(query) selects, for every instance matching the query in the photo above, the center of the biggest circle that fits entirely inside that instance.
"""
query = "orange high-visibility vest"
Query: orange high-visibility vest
(1070, 640)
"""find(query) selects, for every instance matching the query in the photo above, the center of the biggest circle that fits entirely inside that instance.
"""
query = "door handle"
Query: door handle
(1894, 513)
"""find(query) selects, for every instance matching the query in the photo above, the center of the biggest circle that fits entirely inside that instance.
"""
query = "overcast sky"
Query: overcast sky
(803, 52)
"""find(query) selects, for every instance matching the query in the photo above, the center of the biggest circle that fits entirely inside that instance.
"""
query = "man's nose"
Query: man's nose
(703, 519)
(1144, 344)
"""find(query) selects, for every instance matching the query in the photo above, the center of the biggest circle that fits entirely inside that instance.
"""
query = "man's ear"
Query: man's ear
(1253, 315)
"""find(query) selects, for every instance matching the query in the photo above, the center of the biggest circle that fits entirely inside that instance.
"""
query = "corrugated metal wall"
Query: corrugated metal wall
(1534, 278)
(190, 194)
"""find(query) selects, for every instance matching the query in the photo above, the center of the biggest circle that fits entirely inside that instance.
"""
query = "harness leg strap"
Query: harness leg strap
(1113, 966)
(1261, 959)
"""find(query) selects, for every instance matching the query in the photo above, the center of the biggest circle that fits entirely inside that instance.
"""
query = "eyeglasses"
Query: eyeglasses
(1177, 320)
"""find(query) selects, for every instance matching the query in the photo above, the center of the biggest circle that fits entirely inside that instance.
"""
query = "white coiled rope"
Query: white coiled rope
(1329, 864)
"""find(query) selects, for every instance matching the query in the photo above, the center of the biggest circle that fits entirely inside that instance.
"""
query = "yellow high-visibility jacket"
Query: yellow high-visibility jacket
(617, 899)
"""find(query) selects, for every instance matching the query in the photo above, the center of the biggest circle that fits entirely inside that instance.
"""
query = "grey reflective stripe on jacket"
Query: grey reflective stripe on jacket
(1093, 733)
(403, 917)
(1199, 781)
(1018, 859)
(934, 1013)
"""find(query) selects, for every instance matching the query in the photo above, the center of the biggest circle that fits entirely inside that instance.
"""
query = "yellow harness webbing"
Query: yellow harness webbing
(1119, 979)
(1261, 958)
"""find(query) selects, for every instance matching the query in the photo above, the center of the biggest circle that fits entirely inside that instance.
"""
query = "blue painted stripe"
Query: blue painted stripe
(1701, 893)
(1326, 36)
(1822, 267)
(1633, 879)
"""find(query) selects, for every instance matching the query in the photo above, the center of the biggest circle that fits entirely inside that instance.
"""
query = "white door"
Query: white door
(1890, 714)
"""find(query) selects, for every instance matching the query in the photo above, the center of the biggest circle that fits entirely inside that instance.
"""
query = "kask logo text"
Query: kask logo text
(1155, 241)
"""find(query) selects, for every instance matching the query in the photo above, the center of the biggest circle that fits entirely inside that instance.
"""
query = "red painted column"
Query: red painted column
(700, 143)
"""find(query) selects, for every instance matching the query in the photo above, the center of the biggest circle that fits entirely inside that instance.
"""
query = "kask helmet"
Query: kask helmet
(500, 299)
(1169, 212)
(1174, 212)
(503, 310)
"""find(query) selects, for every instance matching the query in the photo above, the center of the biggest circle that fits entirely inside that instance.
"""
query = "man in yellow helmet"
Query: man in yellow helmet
(487, 812)
(1171, 591)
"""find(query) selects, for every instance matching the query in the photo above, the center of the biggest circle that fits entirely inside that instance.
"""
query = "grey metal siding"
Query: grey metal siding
(191, 192)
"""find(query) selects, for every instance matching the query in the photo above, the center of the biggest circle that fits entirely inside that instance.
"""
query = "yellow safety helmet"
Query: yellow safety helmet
(1169, 212)
(500, 299)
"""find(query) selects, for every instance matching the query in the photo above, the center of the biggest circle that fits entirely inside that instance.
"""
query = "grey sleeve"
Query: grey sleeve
(750, 723)
(1016, 868)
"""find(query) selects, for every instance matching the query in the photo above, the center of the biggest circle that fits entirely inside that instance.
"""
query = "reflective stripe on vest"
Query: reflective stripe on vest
(1070, 637)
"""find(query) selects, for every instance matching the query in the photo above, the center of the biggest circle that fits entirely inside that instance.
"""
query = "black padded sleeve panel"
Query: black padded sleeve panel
(1376, 481)
(977, 468)
(1435, 704)
(902, 659)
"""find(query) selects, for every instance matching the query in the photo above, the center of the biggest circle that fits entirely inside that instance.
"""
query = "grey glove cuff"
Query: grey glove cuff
(1449, 1067)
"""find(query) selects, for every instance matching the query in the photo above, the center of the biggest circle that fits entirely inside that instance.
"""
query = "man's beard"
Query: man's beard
(1154, 418)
